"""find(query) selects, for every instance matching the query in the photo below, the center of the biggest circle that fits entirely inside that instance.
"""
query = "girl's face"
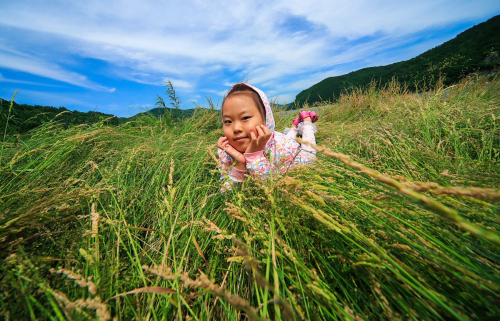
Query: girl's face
(240, 115)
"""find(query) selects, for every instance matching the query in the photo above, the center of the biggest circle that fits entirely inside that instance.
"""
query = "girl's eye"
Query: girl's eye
(246, 117)
(227, 122)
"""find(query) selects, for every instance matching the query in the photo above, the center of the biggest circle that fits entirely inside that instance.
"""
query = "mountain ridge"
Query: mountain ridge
(475, 49)
(24, 117)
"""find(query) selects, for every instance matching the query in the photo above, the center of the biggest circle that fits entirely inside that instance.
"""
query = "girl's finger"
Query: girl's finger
(266, 130)
(221, 140)
(253, 137)
(259, 130)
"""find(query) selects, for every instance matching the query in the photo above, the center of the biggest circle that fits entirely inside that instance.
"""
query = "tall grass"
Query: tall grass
(127, 222)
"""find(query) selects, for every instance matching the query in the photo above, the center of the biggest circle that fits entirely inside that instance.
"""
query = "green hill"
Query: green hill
(160, 111)
(474, 49)
(23, 117)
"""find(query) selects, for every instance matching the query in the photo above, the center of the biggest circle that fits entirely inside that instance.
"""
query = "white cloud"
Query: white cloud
(50, 70)
(358, 18)
(16, 81)
(220, 93)
(283, 98)
(178, 83)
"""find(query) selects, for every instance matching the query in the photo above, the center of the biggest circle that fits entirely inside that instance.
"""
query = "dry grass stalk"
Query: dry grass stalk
(211, 153)
(315, 288)
(147, 289)
(94, 133)
(93, 166)
(102, 311)
(17, 158)
(487, 194)
(233, 211)
(289, 252)
(439, 208)
(350, 312)
(100, 308)
(79, 279)
(87, 256)
(385, 304)
(203, 282)
(321, 216)
(95, 221)
(422, 240)
(199, 249)
(171, 175)
(211, 227)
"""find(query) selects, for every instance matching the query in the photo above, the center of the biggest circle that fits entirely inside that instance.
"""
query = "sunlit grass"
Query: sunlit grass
(91, 212)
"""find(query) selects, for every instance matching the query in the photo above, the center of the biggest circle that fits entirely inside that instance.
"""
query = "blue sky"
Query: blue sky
(114, 56)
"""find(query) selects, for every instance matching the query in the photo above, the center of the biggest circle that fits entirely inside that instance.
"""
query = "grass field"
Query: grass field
(398, 218)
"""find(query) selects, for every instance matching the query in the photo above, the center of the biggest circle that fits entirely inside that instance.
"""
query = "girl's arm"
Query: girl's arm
(258, 164)
(229, 175)
(284, 153)
(227, 157)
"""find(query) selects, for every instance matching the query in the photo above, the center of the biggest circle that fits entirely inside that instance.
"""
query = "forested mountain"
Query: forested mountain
(23, 117)
(476, 49)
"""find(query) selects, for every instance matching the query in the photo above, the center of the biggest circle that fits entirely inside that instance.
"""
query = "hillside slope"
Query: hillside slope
(23, 118)
(160, 111)
(474, 49)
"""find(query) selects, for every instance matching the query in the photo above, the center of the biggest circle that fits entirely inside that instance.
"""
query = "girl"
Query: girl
(250, 146)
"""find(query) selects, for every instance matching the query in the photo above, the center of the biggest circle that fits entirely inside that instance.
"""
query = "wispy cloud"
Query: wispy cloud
(178, 83)
(24, 82)
(50, 70)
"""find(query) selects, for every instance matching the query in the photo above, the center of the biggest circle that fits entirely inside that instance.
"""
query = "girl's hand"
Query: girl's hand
(223, 143)
(259, 139)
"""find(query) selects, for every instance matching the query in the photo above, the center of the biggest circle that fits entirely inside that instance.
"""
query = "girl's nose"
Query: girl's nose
(237, 127)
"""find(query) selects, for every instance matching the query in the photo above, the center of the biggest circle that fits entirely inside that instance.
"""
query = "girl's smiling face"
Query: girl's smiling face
(240, 115)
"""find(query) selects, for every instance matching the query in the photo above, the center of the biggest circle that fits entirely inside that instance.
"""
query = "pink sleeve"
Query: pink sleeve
(228, 173)
(258, 164)
(238, 175)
